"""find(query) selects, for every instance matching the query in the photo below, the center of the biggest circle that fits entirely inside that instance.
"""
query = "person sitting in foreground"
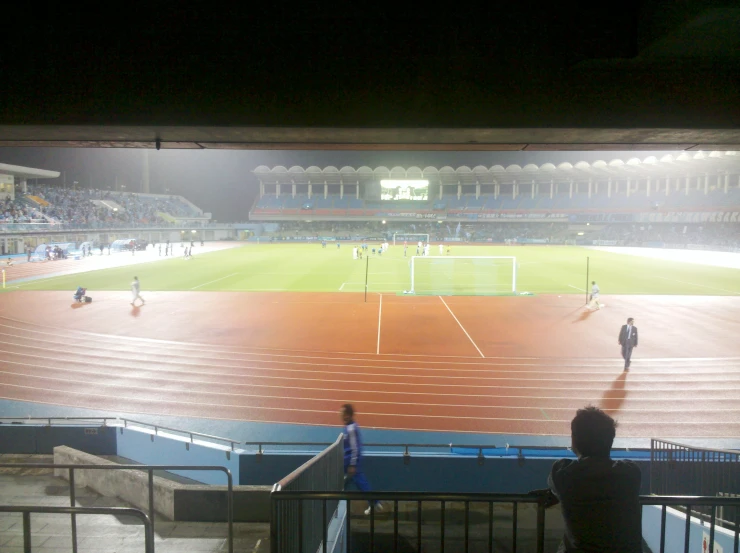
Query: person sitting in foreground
(599, 497)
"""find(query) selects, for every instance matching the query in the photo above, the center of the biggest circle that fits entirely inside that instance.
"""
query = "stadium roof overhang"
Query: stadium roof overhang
(668, 165)
(363, 138)
(27, 172)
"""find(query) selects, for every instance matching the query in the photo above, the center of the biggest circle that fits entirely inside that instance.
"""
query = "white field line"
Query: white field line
(576, 287)
(461, 326)
(380, 313)
(174, 401)
(211, 282)
(342, 286)
(702, 285)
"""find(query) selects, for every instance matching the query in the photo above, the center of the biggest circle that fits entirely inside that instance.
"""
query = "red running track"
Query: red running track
(462, 364)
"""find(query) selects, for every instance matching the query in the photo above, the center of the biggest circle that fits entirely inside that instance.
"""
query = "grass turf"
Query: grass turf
(309, 267)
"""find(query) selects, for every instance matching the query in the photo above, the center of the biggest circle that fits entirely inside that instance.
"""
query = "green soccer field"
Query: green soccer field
(309, 267)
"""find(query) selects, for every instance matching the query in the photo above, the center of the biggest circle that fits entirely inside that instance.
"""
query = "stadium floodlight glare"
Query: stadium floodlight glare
(403, 183)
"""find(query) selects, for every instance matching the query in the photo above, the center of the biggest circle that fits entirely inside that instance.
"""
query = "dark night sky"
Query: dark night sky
(221, 182)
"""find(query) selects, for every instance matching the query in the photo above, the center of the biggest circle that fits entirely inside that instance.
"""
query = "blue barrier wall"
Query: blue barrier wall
(265, 470)
(139, 446)
(41, 440)
(445, 473)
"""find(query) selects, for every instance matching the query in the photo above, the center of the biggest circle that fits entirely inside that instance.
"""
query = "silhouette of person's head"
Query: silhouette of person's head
(592, 432)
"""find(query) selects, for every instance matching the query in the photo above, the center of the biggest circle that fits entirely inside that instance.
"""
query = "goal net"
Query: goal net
(411, 238)
(463, 275)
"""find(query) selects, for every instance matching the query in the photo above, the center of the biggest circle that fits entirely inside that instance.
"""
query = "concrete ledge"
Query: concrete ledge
(175, 501)
(130, 485)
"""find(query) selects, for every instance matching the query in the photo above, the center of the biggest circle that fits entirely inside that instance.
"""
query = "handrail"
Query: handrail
(125, 425)
(127, 511)
(308, 464)
(150, 470)
(188, 432)
(686, 446)
(260, 444)
(282, 541)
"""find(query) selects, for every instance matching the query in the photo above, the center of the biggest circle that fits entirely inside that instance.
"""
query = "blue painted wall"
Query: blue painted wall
(41, 440)
(139, 446)
(269, 469)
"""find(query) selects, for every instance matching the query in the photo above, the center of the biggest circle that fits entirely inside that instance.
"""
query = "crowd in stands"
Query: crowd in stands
(16, 211)
(725, 235)
(77, 207)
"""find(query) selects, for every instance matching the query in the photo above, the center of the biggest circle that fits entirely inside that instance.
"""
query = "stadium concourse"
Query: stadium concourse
(280, 363)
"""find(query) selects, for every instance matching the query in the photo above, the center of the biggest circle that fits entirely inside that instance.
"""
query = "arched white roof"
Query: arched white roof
(668, 165)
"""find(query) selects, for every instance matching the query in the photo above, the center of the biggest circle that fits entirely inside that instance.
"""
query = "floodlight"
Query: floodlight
(192, 231)
(403, 183)
(383, 222)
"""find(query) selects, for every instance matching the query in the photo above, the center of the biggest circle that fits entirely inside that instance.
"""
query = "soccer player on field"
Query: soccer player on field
(441, 249)
(135, 288)
(448, 250)
(594, 303)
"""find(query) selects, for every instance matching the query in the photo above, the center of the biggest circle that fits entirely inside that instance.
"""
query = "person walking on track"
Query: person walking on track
(135, 289)
(628, 340)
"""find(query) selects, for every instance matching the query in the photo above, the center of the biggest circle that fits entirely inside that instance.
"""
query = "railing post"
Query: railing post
(540, 527)
(230, 508)
(151, 502)
(73, 516)
(26, 532)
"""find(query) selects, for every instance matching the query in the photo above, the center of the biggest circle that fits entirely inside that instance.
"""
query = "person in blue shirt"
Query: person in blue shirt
(353, 455)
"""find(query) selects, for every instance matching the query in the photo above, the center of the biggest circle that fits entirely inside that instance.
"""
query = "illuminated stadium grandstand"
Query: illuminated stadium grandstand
(384, 288)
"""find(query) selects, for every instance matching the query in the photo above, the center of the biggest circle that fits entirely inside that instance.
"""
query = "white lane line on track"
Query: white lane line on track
(701, 285)
(609, 365)
(366, 413)
(211, 282)
(381, 392)
(292, 398)
(407, 384)
(374, 427)
(576, 287)
(318, 354)
(461, 326)
(380, 314)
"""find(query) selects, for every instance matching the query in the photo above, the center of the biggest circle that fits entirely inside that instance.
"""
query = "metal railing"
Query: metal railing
(260, 445)
(123, 423)
(26, 510)
(679, 469)
(288, 540)
(288, 536)
(150, 472)
(325, 471)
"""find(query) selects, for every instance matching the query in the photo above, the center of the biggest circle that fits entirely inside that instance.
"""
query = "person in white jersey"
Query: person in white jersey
(135, 289)
(594, 303)
(426, 249)
(441, 249)
(354, 253)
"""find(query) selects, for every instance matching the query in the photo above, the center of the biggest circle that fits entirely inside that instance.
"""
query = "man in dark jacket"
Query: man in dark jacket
(628, 340)
(599, 497)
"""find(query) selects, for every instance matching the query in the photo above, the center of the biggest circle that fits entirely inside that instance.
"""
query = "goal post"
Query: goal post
(463, 275)
(410, 237)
